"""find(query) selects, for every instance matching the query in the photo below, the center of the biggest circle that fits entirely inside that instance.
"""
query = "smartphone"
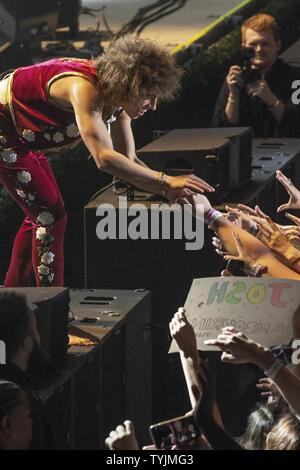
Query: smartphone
(235, 268)
(176, 432)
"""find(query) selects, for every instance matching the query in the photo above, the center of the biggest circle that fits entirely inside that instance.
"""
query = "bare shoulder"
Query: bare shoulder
(76, 91)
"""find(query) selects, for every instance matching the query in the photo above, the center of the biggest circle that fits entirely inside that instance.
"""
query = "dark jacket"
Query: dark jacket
(254, 113)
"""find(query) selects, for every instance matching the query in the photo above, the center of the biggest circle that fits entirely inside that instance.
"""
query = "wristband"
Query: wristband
(211, 216)
(162, 179)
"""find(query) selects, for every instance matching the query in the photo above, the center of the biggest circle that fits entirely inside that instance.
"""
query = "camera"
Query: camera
(176, 432)
(249, 74)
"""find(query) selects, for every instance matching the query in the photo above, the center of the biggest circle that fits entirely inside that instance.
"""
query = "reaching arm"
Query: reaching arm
(209, 422)
(123, 140)
(122, 137)
(256, 250)
(88, 107)
(183, 333)
(238, 349)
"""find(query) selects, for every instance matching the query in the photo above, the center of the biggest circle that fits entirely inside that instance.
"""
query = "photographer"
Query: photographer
(257, 93)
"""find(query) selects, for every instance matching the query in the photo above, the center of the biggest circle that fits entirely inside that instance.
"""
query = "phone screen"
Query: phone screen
(176, 432)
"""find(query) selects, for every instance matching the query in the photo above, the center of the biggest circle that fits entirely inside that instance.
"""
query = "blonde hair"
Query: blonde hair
(285, 435)
(134, 67)
(261, 22)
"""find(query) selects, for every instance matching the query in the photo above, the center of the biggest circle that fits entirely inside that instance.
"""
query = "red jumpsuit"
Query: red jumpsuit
(29, 125)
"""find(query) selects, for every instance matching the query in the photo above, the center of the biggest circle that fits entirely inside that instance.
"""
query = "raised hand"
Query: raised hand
(219, 248)
(256, 212)
(267, 230)
(294, 193)
(293, 218)
(236, 347)
(122, 438)
(276, 241)
(183, 333)
(243, 254)
(292, 233)
(241, 219)
(267, 388)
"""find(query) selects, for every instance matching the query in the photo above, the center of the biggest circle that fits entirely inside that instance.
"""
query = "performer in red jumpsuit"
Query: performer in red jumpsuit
(55, 103)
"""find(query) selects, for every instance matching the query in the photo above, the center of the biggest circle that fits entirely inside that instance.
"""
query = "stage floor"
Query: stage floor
(171, 30)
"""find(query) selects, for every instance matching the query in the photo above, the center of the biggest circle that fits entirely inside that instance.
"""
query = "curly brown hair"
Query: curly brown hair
(134, 67)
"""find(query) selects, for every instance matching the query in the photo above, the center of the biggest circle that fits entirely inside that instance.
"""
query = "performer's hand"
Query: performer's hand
(234, 80)
(261, 89)
(191, 182)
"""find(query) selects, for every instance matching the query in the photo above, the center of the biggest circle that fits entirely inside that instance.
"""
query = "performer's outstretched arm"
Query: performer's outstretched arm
(88, 108)
(122, 138)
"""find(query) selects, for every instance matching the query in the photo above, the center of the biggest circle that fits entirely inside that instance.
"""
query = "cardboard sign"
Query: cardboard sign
(262, 308)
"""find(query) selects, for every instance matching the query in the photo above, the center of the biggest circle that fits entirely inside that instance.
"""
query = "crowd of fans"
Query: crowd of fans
(264, 249)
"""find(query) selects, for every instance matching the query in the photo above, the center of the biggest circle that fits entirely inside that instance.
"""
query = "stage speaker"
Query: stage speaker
(221, 156)
(30, 17)
(191, 150)
(51, 307)
(121, 319)
(7, 28)
(163, 266)
(240, 141)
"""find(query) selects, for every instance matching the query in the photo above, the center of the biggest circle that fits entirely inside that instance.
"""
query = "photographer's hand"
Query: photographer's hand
(234, 83)
(261, 90)
(234, 80)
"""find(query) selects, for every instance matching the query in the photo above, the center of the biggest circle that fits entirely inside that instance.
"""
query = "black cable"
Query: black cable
(146, 15)
(158, 16)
